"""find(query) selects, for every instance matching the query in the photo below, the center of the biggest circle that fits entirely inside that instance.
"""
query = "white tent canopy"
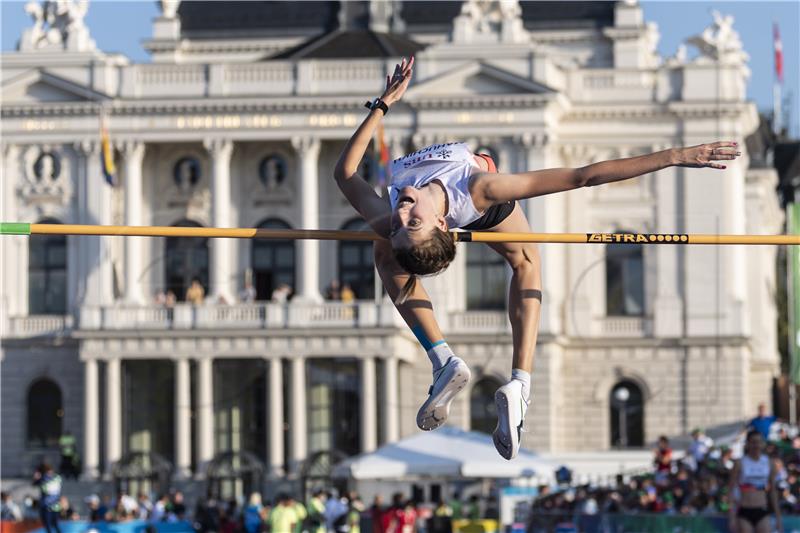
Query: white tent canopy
(447, 452)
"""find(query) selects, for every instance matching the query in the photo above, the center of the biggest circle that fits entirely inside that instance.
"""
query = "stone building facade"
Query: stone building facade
(238, 121)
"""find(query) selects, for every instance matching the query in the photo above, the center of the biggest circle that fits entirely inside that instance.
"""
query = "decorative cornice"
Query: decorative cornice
(239, 105)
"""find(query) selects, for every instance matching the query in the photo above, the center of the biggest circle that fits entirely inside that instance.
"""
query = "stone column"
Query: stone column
(95, 199)
(299, 427)
(275, 410)
(113, 413)
(308, 257)
(133, 152)
(391, 401)
(545, 214)
(369, 418)
(205, 414)
(183, 419)
(668, 303)
(15, 303)
(91, 420)
(222, 250)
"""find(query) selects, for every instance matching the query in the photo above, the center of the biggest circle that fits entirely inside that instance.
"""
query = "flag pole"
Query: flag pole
(790, 290)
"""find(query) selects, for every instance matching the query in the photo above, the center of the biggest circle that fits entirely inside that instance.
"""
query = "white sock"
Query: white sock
(524, 378)
(439, 354)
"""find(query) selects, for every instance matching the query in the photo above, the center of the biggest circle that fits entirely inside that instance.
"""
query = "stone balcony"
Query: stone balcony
(295, 315)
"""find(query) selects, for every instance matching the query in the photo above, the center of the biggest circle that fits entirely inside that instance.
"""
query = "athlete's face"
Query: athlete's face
(755, 444)
(414, 217)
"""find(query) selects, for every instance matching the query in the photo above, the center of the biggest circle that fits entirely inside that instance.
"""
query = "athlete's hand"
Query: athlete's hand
(707, 155)
(397, 83)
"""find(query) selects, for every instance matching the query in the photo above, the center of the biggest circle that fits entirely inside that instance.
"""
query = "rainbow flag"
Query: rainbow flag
(381, 157)
(107, 154)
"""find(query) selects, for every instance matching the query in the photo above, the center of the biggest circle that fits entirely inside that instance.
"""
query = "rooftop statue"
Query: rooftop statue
(482, 21)
(57, 24)
(720, 42)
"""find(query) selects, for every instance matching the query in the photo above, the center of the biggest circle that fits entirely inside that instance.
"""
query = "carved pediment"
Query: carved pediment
(478, 79)
(39, 86)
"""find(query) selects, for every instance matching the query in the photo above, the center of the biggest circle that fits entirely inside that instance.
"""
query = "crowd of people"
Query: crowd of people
(696, 482)
(196, 294)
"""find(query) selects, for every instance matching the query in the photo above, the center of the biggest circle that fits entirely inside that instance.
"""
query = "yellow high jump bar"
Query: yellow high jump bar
(22, 228)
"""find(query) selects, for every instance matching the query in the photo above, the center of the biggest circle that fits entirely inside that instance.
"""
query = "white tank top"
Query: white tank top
(449, 163)
(754, 474)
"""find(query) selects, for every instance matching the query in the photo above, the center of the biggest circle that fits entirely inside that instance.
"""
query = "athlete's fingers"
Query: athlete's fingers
(724, 144)
(718, 166)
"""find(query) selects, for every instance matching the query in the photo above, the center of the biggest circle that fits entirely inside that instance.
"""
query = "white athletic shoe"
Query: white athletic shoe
(511, 409)
(447, 381)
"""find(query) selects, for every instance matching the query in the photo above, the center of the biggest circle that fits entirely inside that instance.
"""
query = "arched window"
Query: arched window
(624, 280)
(627, 415)
(47, 273)
(356, 263)
(45, 414)
(186, 258)
(272, 261)
(486, 278)
(483, 414)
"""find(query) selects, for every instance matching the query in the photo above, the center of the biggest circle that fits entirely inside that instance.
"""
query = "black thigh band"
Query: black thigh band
(492, 217)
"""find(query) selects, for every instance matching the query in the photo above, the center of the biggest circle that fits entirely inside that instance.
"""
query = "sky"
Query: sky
(122, 25)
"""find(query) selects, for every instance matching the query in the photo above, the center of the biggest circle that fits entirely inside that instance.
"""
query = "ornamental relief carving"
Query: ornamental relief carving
(270, 176)
(45, 176)
(181, 189)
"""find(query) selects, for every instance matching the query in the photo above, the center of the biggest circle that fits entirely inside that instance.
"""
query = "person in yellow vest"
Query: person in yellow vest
(442, 509)
(301, 512)
(316, 512)
(283, 517)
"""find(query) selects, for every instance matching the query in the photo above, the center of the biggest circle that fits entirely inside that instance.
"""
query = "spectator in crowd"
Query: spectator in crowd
(376, 514)
(698, 448)
(195, 294)
(763, 422)
(65, 510)
(253, 520)
(69, 460)
(282, 293)
(316, 511)
(248, 293)
(283, 516)
(170, 299)
(9, 510)
(49, 484)
(301, 512)
(662, 459)
(159, 513)
(347, 294)
(333, 292)
(144, 506)
(176, 510)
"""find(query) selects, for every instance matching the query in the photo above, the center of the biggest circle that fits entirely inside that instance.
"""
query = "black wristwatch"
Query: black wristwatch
(380, 104)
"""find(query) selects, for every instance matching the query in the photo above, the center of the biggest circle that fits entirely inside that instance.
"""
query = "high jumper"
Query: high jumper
(443, 187)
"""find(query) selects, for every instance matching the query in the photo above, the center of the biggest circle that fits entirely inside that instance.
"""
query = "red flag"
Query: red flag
(776, 36)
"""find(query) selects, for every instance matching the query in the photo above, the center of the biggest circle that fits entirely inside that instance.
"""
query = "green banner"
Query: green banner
(793, 213)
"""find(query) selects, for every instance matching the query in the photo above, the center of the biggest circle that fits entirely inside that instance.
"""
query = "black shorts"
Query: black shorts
(754, 515)
(492, 217)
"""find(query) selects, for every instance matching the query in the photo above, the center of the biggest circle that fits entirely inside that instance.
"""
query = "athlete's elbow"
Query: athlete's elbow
(581, 178)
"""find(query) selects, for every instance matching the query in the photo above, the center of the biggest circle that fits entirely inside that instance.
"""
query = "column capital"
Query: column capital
(88, 147)
(306, 145)
(218, 147)
(531, 140)
(131, 149)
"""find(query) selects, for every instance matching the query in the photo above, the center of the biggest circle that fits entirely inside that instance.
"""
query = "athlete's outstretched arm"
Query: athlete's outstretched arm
(358, 192)
(489, 189)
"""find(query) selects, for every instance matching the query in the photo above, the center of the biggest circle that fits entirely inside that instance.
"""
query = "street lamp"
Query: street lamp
(622, 395)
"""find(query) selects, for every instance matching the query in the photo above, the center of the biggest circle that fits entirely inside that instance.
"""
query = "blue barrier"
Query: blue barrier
(134, 526)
